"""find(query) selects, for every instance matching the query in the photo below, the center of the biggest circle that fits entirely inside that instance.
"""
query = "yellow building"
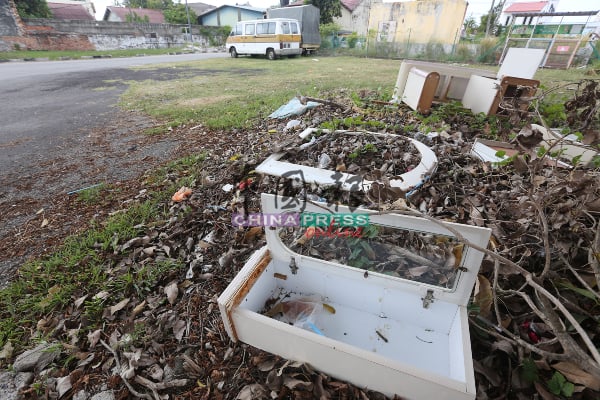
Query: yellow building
(417, 21)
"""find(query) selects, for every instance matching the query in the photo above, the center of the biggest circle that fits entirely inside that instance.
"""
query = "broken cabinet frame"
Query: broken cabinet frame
(389, 334)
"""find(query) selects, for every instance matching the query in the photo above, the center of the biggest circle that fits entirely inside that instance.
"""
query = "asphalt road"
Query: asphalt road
(47, 105)
(60, 131)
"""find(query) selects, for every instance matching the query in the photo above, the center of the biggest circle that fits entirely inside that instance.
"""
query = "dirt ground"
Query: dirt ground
(36, 209)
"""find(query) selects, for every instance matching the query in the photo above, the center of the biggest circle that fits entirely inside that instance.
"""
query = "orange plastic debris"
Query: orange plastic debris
(182, 194)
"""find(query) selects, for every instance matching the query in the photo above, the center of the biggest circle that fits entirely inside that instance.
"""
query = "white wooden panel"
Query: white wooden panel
(521, 63)
(480, 94)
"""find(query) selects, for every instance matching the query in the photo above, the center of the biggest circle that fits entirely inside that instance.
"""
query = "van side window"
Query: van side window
(294, 27)
(285, 28)
(238, 29)
(265, 28)
(249, 29)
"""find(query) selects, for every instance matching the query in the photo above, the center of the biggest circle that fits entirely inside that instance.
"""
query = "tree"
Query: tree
(33, 9)
(176, 14)
(329, 9)
(490, 20)
(470, 26)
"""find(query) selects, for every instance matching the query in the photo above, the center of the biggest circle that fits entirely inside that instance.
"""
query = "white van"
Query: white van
(271, 37)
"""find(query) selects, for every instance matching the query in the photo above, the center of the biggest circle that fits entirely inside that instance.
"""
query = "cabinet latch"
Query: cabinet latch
(293, 266)
(428, 299)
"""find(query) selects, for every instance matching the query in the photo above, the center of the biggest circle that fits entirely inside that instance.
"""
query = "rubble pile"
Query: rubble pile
(535, 311)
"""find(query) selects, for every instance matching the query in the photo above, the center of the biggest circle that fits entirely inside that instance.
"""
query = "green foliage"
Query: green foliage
(463, 53)
(217, 35)
(470, 26)
(553, 113)
(559, 385)
(177, 14)
(352, 40)
(529, 371)
(329, 9)
(486, 51)
(153, 4)
(329, 29)
(33, 9)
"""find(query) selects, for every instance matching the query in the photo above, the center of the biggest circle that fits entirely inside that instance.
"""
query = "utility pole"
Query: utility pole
(187, 11)
(489, 17)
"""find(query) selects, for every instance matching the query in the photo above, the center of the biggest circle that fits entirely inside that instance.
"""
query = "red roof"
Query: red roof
(154, 16)
(532, 6)
(350, 4)
(70, 11)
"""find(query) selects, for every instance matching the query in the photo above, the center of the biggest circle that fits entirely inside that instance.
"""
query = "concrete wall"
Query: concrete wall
(8, 22)
(425, 21)
(52, 34)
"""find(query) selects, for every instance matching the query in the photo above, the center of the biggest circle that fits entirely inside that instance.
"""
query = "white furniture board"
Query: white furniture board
(521, 63)
(480, 94)
(414, 87)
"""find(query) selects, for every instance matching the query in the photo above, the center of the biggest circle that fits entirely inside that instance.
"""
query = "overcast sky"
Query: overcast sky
(475, 9)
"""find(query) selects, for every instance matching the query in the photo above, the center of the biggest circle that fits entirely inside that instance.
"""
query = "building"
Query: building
(229, 15)
(200, 8)
(516, 12)
(127, 14)
(418, 22)
(355, 16)
(72, 9)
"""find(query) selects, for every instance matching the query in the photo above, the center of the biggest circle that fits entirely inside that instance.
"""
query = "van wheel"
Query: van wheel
(271, 54)
(233, 52)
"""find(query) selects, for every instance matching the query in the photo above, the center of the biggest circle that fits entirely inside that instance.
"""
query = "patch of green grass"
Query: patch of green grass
(92, 194)
(232, 93)
(48, 285)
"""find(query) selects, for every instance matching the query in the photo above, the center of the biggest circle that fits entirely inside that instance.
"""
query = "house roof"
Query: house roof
(258, 10)
(351, 4)
(69, 11)
(531, 6)
(200, 8)
(154, 16)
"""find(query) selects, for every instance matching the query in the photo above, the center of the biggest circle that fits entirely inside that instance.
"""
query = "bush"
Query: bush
(463, 53)
(352, 39)
(487, 48)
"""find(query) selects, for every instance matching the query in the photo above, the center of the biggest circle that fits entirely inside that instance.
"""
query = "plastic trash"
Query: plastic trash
(302, 313)
(324, 160)
(292, 124)
(182, 194)
(293, 107)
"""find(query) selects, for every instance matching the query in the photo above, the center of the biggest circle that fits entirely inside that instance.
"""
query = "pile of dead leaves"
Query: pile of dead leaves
(535, 315)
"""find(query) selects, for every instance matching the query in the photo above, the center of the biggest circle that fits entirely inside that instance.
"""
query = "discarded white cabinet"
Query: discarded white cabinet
(453, 79)
(420, 89)
(406, 181)
(389, 334)
(513, 81)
